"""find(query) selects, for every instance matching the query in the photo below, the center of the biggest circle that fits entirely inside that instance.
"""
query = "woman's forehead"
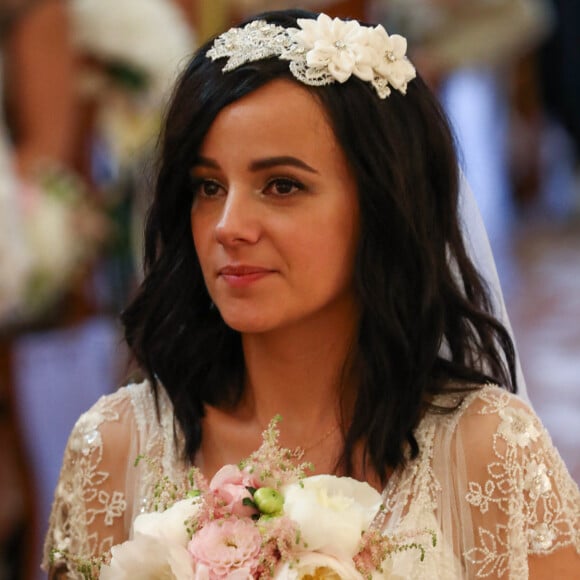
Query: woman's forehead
(280, 118)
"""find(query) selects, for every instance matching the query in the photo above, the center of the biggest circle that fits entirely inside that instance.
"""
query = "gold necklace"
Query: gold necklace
(317, 442)
(322, 439)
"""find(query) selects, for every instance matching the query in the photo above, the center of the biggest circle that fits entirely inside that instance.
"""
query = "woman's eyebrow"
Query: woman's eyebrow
(260, 164)
(270, 162)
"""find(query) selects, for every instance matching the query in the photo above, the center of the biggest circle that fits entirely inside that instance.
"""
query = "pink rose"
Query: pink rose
(226, 549)
(229, 486)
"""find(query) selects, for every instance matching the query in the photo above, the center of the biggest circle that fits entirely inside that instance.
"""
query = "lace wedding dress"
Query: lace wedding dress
(487, 480)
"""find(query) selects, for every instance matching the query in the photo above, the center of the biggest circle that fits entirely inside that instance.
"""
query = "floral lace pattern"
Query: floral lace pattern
(80, 497)
(94, 505)
(487, 480)
(528, 483)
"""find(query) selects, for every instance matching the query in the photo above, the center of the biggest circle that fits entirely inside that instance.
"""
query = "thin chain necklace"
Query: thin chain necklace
(306, 448)
(321, 440)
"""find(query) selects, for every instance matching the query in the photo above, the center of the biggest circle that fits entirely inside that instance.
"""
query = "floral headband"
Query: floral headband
(322, 51)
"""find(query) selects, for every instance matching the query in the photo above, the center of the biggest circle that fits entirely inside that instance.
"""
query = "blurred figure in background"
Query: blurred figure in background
(84, 86)
(40, 243)
(37, 137)
(468, 51)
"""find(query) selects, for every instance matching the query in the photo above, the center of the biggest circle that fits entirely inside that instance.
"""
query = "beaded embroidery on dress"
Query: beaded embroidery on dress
(487, 480)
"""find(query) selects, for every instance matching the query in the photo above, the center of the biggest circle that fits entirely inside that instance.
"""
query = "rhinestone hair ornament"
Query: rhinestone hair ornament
(322, 51)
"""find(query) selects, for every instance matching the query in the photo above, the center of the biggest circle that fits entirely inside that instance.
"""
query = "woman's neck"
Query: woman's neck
(300, 373)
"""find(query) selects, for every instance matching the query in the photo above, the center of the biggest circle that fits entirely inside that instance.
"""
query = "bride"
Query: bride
(304, 256)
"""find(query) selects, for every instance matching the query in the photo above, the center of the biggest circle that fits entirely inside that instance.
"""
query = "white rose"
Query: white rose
(158, 548)
(168, 526)
(331, 512)
(148, 558)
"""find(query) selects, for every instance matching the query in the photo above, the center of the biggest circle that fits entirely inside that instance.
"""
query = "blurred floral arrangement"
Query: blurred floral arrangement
(15, 259)
(133, 50)
(50, 230)
(260, 519)
(141, 43)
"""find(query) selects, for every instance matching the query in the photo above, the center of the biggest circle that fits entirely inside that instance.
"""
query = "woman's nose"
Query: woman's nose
(238, 221)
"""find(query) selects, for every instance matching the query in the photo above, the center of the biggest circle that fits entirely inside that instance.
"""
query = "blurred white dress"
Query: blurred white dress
(487, 480)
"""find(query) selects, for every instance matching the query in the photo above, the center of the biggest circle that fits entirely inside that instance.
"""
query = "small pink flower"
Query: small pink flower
(229, 485)
(227, 548)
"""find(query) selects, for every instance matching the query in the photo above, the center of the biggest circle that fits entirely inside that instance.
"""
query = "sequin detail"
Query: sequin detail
(321, 52)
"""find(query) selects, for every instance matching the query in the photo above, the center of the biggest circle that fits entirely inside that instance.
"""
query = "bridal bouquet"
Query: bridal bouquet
(56, 231)
(260, 519)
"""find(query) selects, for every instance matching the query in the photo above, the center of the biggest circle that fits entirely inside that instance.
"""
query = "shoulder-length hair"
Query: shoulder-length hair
(426, 323)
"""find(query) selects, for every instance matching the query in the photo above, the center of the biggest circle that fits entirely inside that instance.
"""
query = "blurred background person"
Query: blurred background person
(37, 223)
(84, 87)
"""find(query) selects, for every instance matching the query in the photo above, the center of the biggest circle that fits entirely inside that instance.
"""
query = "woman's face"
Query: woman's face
(275, 213)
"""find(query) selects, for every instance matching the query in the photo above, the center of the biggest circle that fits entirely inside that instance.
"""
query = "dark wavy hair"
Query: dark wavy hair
(426, 323)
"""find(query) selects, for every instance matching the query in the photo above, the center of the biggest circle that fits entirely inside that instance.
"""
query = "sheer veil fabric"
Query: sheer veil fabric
(479, 249)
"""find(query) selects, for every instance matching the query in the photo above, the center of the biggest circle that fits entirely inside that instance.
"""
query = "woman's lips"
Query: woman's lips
(241, 276)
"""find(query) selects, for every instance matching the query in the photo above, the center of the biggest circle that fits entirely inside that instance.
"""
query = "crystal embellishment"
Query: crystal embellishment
(321, 52)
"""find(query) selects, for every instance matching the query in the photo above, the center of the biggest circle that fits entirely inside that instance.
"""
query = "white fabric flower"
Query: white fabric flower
(537, 481)
(391, 61)
(331, 512)
(517, 427)
(321, 51)
(541, 538)
(341, 46)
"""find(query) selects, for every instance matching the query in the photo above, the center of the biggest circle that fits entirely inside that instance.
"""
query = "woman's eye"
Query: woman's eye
(206, 188)
(283, 187)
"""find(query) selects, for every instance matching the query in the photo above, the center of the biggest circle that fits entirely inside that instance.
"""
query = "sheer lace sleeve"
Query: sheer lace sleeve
(100, 490)
(511, 493)
(492, 487)
(90, 504)
(520, 497)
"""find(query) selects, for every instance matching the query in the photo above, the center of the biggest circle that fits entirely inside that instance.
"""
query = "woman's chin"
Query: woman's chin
(247, 323)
